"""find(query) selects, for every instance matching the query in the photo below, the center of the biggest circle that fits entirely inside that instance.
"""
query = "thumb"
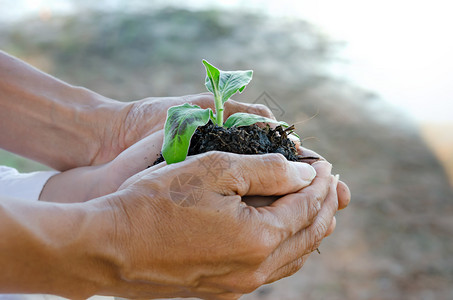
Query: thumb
(137, 157)
(264, 175)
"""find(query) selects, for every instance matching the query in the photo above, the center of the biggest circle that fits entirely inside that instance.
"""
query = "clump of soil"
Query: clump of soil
(244, 140)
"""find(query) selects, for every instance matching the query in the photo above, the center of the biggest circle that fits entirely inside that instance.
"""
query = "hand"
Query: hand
(201, 240)
(147, 117)
(82, 127)
(344, 194)
(141, 118)
(141, 124)
(85, 183)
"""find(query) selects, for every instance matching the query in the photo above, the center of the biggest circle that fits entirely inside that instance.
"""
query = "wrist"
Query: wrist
(95, 251)
(77, 185)
(99, 119)
(60, 249)
(50, 121)
(107, 120)
(89, 255)
(104, 239)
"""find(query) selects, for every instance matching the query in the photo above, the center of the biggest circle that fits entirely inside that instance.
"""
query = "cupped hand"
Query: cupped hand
(139, 119)
(344, 194)
(183, 229)
(146, 118)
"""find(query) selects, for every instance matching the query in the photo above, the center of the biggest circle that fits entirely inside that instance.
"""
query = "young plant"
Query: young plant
(183, 120)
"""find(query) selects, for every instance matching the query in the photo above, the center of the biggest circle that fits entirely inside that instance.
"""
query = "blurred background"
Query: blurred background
(367, 83)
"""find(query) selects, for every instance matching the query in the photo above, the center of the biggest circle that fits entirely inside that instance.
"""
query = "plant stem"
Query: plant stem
(218, 110)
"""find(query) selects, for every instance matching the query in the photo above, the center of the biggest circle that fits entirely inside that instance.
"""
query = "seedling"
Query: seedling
(183, 120)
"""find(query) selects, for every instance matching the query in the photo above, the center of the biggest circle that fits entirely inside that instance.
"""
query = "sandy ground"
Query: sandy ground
(439, 137)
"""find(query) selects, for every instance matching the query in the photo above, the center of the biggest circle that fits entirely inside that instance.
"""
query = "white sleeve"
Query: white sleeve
(27, 186)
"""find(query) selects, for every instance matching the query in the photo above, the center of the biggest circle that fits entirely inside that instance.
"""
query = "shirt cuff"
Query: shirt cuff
(26, 186)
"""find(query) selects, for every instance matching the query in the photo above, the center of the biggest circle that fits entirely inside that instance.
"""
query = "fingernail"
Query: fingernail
(308, 172)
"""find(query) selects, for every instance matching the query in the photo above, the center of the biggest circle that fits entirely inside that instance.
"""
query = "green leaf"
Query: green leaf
(224, 84)
(212, 116)
(245, 119)
(182, 121)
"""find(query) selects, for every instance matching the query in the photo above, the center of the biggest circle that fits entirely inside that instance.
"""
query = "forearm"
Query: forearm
(86, 183)
(79, 185)
(54, 248)
(47, 120)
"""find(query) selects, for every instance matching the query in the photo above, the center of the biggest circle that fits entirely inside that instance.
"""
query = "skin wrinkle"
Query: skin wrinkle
(134, 232)
(130, 126)
(285, 230)
(308, 233)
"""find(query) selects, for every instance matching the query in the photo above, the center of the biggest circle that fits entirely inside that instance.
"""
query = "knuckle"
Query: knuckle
(296, 266)
(262, 249)
(236, 180)
(318, 232)
(278, 161)
(253, 281)
(260, 245)
(258, 279)
(320, 229)
(262, 110)
(313, 205)
(201, 97)
(289, 269)
(259, 255)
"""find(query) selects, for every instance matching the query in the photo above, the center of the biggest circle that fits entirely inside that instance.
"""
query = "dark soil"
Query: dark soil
(244, 140)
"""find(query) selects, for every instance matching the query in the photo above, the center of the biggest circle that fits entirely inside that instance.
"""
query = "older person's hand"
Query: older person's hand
(344, 194)
(68, 126)
(177, 230)
(183, 230)
(147, 117)
(138, 119)
(85, 183)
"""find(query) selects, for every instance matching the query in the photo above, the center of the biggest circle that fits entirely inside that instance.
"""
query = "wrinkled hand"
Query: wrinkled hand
(85, 183)
(144, 152)
(142, 118)
(182, 229)
(344, 194)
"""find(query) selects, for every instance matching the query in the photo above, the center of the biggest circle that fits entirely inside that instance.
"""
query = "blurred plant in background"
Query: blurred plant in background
(394, 242)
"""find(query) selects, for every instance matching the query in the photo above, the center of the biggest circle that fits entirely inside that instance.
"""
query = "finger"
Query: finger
(296, 211)
(232, 107)
(304, 152)
(308, 239)
(314, 234)
(137, 157)
(288, 269)
(141, 154)
(139, 176)
(331, 227)
(204, 100)
(344, 195)
(266, 175)
(295, 140)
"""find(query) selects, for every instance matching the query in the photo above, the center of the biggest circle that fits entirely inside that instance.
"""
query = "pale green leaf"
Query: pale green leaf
(224, 84)
(245, 119)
